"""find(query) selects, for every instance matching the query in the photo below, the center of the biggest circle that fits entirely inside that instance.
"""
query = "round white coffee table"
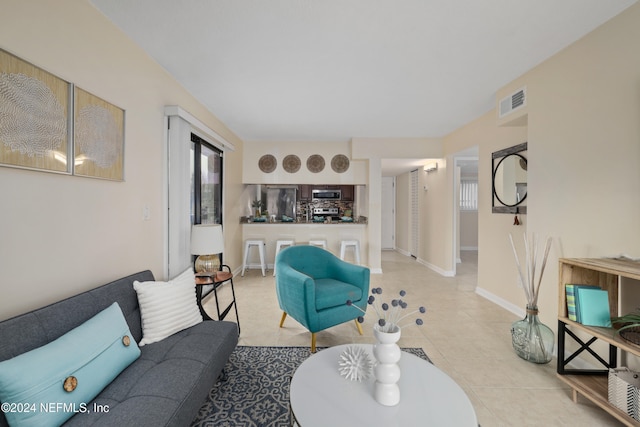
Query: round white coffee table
(320, 396)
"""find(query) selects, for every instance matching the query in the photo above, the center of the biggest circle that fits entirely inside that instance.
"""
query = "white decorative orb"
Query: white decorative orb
(355, 364)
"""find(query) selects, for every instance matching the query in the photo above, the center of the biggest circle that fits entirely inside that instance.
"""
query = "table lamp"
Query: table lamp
(207, 242)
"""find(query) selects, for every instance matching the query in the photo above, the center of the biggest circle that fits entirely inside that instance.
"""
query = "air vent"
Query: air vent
(512, 102)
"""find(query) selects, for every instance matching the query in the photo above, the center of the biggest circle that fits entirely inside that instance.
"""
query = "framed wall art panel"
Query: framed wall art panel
(35, 111)
(98, 137)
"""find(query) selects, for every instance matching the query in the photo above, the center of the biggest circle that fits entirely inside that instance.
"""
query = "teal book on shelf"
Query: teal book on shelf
(593, 306)
(572, 300)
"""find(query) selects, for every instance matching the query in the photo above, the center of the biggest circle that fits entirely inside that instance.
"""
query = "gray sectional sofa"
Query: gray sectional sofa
(164, 386)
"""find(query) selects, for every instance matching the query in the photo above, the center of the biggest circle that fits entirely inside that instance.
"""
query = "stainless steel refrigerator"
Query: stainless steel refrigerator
(280, 200)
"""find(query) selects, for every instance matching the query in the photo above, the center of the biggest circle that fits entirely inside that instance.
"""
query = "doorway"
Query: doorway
(388, 211)
(465, 211)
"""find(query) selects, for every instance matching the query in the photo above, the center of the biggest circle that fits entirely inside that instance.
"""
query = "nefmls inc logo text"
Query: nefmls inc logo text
(72, 407)
(55, 407)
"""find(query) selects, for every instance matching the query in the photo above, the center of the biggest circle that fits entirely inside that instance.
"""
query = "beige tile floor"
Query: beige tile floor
(465, 335)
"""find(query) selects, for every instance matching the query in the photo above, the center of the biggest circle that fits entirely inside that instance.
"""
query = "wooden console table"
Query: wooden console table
(611, 275)
(218, 280)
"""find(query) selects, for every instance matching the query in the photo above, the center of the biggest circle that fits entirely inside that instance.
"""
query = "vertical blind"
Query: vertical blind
(181, 192)
(468, 195)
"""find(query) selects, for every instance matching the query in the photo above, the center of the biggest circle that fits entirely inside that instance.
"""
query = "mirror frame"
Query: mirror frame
(497, 205)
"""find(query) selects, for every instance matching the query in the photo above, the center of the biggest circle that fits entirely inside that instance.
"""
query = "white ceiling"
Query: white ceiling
(330, 70)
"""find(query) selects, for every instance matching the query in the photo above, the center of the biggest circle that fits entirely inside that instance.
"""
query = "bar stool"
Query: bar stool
(318, 242)
(248, 244)
(279, 245)
(355, 244)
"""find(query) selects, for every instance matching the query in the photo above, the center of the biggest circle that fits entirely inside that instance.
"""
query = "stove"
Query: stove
(327, 213)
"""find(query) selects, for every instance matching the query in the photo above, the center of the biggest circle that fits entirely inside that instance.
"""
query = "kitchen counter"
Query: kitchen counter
(361, 221)
(302, 232)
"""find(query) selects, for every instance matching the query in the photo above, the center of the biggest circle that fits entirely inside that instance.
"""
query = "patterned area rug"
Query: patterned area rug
(255, 392)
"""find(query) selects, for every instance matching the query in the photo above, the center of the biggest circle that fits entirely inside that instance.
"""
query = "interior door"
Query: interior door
(415, 211)
(388, 218)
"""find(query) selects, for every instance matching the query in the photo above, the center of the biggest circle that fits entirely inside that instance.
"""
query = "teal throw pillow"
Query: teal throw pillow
(48, 385)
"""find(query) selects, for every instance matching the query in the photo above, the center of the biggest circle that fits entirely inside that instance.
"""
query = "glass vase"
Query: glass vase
(532, 340)
(386, 371)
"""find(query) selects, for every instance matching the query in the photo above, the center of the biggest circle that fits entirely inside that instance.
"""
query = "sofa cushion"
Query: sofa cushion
(331, 293)
(169, 381)
(69, 371)
(167, 307)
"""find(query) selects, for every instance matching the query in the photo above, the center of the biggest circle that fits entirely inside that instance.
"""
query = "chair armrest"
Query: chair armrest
(296, 291)
(353, 274)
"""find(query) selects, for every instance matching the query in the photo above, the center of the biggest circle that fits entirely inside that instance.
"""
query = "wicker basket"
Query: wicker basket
(632, 335)
(624, 391)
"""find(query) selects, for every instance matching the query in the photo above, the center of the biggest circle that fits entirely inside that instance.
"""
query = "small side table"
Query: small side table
(219, 279)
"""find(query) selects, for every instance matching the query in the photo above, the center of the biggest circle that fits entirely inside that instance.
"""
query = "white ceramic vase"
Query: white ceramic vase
(386, 371)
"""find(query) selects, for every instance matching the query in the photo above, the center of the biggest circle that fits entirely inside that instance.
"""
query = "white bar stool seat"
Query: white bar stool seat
(248, 244)
(355, 244)
(279, 245)
(318, 242)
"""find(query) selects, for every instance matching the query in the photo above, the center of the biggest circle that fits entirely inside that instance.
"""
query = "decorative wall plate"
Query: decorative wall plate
(267, 163)
(315, 163)
(340, 163)
(291, 163)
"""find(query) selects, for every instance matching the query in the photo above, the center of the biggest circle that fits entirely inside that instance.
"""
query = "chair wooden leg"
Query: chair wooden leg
(313, 342)
(359, 327)
(284, 316)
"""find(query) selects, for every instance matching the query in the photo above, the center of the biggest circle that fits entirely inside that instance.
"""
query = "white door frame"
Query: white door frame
(392, 213)
(456, 207)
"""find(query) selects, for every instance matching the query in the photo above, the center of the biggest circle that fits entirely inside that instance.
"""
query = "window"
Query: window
(193, 185)
(206, 182)
(468, 195)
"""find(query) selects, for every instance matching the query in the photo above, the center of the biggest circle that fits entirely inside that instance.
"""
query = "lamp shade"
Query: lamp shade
(206, 239)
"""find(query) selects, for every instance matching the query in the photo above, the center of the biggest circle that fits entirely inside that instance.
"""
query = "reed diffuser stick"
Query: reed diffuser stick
(529, 284)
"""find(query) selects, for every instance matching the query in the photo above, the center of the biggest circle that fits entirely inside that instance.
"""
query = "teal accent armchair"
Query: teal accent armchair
(313, 287)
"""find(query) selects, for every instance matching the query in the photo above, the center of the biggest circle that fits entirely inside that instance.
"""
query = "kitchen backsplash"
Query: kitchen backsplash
(344, 208)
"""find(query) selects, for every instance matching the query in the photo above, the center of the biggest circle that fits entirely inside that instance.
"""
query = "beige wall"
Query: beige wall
(494, 251)
(63, 234)
(582, 123)
(436, 218)
(584, 131)
(468, 230)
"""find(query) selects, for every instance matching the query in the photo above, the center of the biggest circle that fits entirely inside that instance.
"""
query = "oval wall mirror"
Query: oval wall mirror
(509, 180)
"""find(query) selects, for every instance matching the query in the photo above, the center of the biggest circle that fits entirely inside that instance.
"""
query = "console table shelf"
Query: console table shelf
(609, 275)
(608, 335)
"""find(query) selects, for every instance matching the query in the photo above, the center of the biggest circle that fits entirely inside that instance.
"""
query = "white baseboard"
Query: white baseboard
(515, 309)
(445, 273)
(403, 252)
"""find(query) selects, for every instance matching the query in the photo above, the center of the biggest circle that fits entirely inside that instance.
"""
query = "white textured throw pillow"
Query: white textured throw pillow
(167, 307)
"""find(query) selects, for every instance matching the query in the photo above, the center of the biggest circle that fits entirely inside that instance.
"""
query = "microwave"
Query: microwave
(326, 194)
